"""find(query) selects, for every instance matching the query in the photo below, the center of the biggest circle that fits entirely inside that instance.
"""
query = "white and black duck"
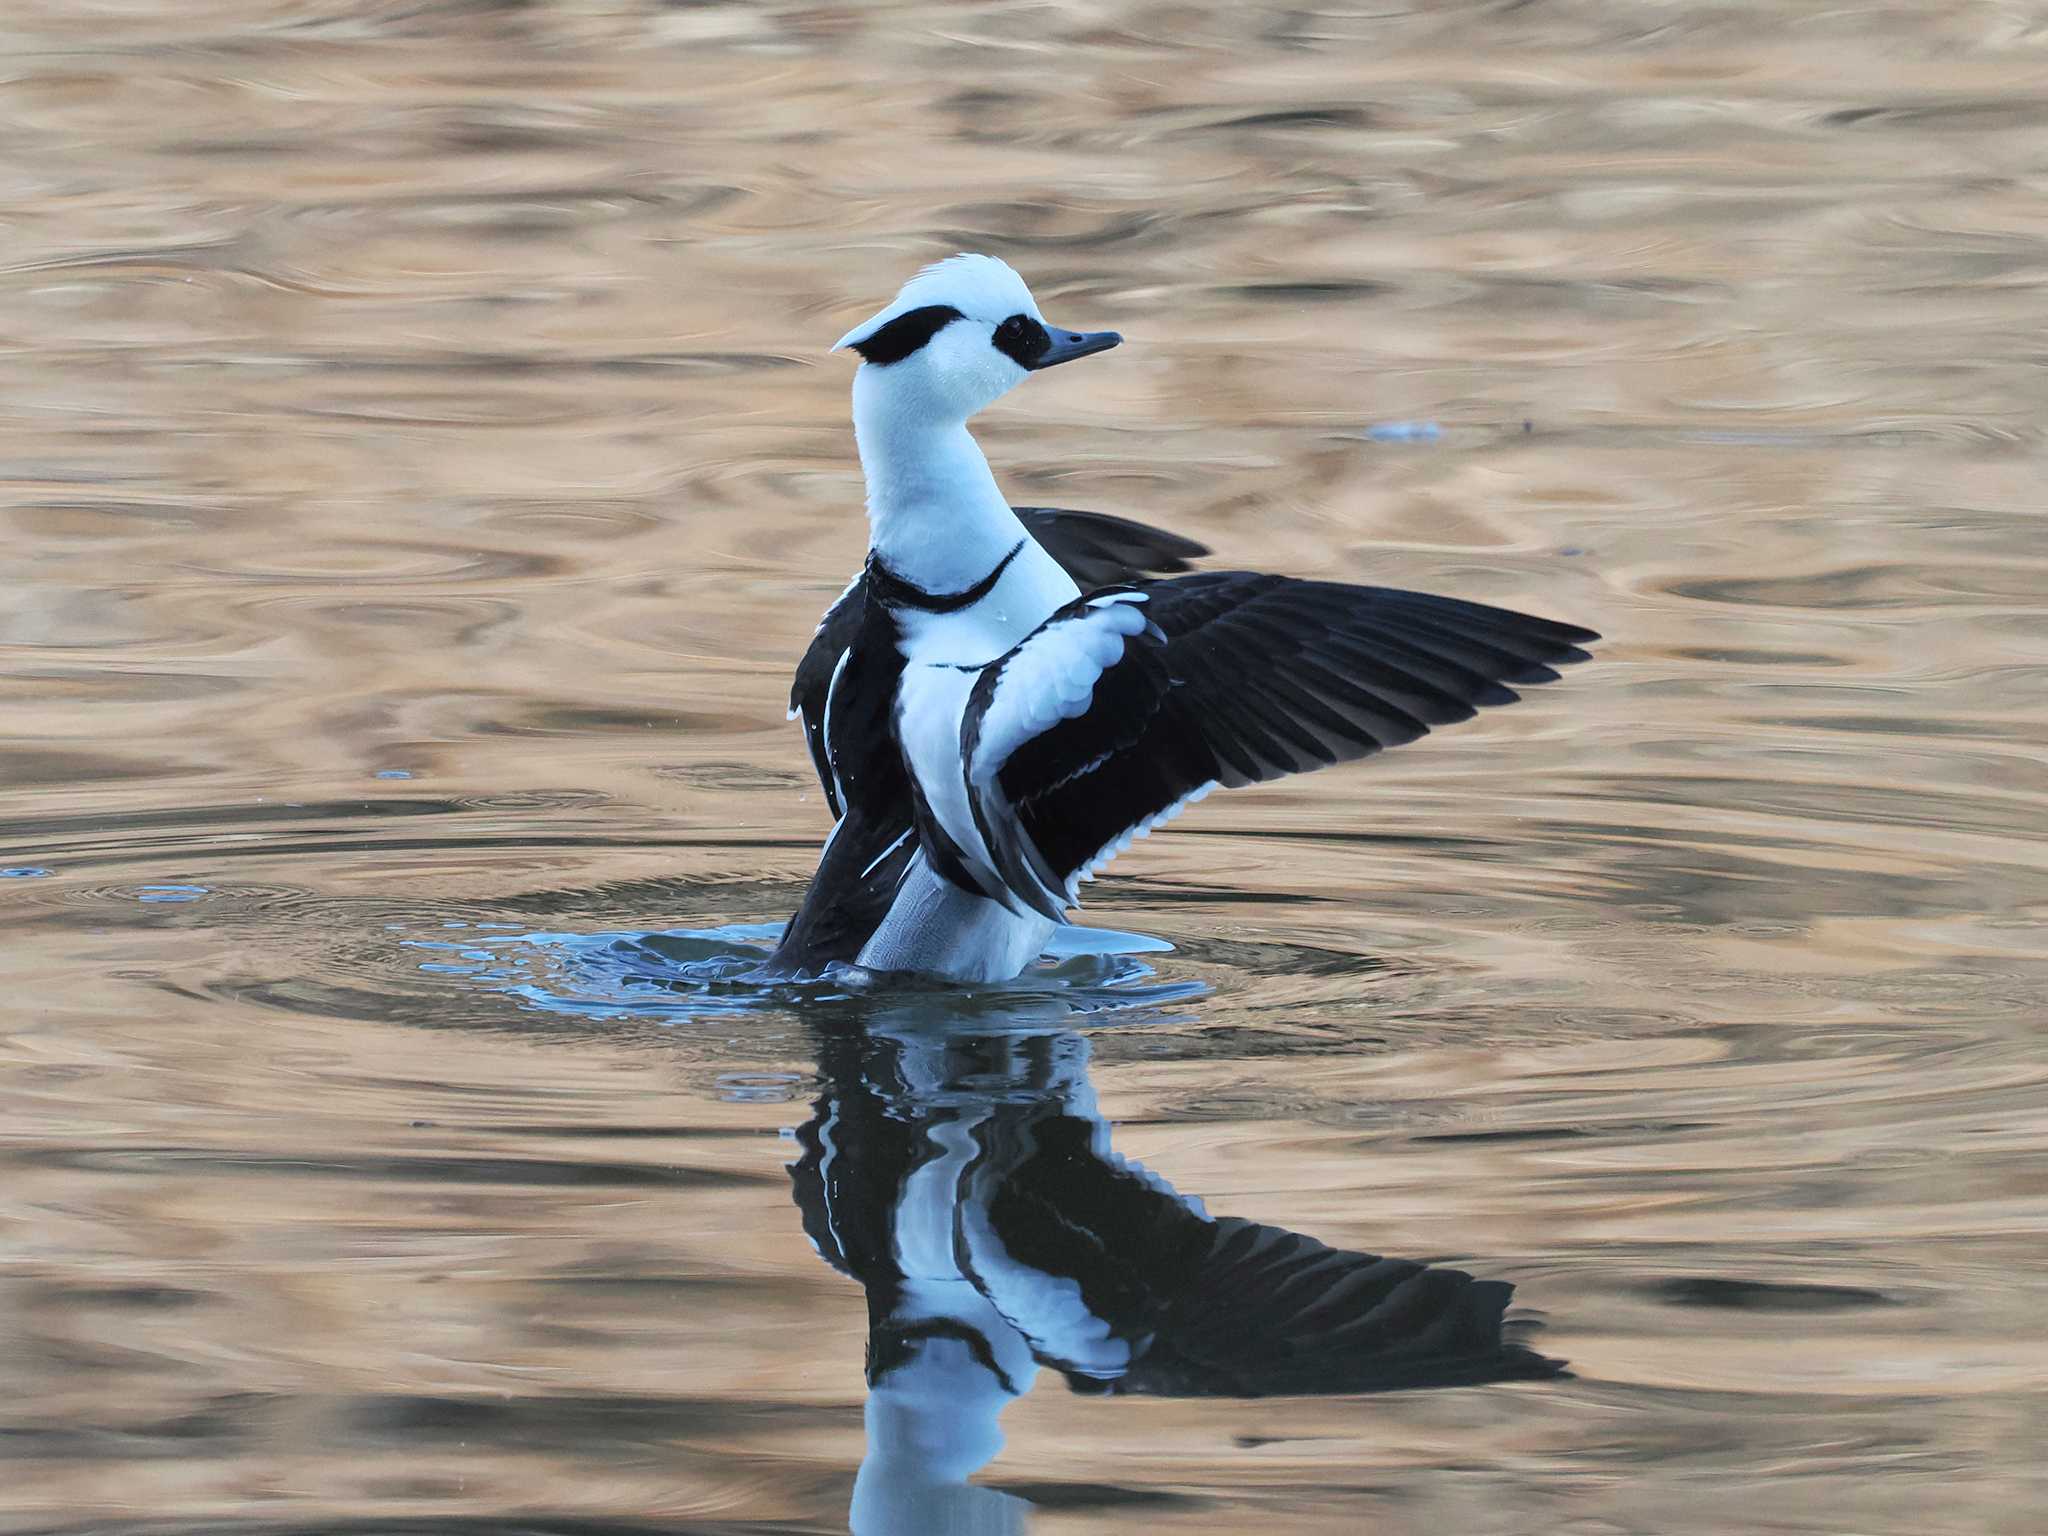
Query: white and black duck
(1005, 697)
(968, 1182)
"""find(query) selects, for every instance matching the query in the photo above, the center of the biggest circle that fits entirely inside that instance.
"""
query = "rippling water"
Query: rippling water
(421, 469)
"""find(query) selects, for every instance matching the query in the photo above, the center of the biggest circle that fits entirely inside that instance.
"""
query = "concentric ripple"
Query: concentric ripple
(689, 975)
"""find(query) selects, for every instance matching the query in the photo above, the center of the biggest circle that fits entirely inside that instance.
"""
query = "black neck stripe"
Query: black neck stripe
(893, 591)
(902, 336)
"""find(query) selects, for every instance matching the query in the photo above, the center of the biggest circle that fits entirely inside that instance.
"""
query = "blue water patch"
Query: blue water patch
(25, 872)
(392, 773)
(681, 975)
(1404, 432)
(170, 892)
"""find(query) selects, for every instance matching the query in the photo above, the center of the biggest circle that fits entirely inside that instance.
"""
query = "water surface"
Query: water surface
(420, 467)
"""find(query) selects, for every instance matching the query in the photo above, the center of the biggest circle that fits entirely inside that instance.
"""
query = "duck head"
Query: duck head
(962, 334)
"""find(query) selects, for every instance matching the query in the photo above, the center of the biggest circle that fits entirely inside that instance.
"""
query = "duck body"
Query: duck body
(879, 898)
(899, 911)
(1005, 697)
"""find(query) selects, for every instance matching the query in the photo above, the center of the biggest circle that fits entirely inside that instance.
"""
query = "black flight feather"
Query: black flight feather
(1260, 676)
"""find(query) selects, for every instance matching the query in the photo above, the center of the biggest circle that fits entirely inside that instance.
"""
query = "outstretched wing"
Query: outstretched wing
(1092, 547)
(1077, 746)
(1126, 1287)
(1261, 1311)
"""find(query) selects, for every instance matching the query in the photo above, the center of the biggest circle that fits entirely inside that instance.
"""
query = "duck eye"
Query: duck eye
(1012, 327)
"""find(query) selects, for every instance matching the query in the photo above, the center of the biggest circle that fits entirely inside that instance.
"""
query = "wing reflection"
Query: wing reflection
(968, 1183)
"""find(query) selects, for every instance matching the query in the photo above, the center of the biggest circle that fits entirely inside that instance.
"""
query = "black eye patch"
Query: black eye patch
(1021, 339)
(902, 336)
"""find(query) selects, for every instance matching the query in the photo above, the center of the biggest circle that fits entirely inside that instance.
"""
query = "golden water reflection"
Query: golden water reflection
(420, 468)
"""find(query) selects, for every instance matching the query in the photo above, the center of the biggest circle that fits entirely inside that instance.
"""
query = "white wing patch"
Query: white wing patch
(1051, 676)
(930, 702)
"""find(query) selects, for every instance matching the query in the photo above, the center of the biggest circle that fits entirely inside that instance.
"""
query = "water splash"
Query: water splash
(688, 975)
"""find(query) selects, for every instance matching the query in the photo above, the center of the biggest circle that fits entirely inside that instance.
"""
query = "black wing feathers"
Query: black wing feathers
(871, 846)
(812, 685)
(1235, 1308)
(850, 895)
(1098, 550)
(1261, 676)
(1278, 1312)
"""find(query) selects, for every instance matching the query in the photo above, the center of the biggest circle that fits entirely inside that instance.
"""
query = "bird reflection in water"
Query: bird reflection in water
(965, 1178)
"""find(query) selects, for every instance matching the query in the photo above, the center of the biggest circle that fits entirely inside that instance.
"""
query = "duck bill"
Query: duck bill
(1068, 345)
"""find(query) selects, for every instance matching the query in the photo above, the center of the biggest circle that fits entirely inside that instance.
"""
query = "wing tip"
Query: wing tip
(1545, 671)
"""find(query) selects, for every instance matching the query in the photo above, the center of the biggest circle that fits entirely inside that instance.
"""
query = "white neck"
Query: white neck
(935, 513)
